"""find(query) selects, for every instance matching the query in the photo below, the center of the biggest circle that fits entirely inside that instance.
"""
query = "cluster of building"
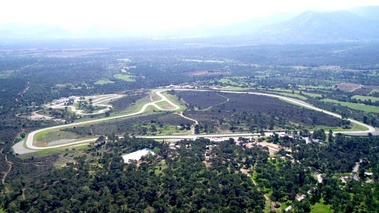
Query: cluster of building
(64, 100)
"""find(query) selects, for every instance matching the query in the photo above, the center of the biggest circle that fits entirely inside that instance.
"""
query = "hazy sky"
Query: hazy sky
(155, 14)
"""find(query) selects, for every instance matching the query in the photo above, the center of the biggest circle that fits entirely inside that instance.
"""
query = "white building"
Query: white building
(137, 155)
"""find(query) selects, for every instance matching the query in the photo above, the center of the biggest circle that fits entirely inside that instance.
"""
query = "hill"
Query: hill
(357, 24)
(367, 12)
(320, 27)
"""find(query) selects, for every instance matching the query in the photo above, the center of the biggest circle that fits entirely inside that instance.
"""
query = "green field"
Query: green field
(365, 98)
(374, 91)
(313, 95)
(355, 106)
(164, 105)
(103, 81)
(289, 93)
(228, 81)
(49, 152)
(297, 96)
(320, 208)
(354, 127)
(54, 135)
(235, 88)
(124, 77)
(174, 99)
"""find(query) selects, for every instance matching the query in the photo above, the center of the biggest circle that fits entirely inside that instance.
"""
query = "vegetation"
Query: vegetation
(127, 78)
(200, 175)
(104, 81)
(355, 106)
(101, 181)
(233, 112)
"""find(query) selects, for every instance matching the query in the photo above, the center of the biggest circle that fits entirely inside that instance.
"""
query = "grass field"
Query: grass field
(288, 92)
(297, 96)
(165, 105)
(374, 91)
(124, 77)
(135, 107)
(48, 152)
(320, 208)
(54, 135)
(355, 106)
(313, 95)
(103, 81)
(228, 81)
(354, 127)
(235, 88)
(365, 98)
(174, 99)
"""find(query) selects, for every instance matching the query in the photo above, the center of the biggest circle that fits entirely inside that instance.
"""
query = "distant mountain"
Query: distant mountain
(320, 27)
(249, 26)
(367, 12)
(357, 24)
(32, 32)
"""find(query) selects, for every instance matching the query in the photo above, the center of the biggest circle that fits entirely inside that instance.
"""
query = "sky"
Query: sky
(150, 15)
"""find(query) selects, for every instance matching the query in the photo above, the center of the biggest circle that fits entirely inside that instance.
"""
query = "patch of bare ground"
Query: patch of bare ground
(348, 87)
(207, 72)
(36, 116)
(207, 164)
(5, 174)
(246, 172)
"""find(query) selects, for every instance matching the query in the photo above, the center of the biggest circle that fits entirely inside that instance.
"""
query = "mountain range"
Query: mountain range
(357, 24)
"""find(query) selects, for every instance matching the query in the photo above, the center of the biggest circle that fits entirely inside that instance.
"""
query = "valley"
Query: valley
(224, 123)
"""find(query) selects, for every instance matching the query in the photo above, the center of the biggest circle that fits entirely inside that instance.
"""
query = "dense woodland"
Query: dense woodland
(202, 176)
(171, 181)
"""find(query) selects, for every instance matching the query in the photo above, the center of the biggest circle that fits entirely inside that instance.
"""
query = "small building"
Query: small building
(137, 155)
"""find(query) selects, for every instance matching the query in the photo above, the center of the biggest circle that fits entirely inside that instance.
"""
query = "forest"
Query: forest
(172, 181)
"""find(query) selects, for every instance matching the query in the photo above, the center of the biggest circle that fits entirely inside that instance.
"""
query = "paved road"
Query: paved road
(29, 140)
(97, 102)
(370, 129)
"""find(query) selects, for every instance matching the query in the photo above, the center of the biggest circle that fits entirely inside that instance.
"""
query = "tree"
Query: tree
(365, 119)
(330, 136)
(197, 129)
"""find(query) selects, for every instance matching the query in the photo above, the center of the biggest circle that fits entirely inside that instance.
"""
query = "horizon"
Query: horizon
(165, 15)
